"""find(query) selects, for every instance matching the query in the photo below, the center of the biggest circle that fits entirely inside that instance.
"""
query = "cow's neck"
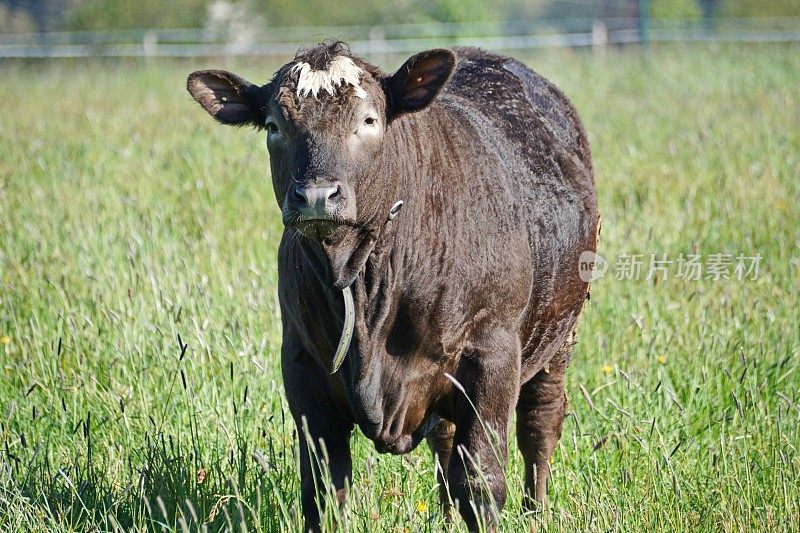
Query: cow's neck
(390, 267)
(393, 241)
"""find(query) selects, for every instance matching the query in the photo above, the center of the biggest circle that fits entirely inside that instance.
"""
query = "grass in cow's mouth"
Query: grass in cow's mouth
(316, 229)
(139, 322)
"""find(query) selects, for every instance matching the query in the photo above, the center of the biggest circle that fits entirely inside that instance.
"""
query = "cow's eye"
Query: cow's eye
(272, 127)
(370, 121)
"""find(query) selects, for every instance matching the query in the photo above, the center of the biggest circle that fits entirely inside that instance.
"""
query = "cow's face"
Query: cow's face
(326, 117)
(325, 132)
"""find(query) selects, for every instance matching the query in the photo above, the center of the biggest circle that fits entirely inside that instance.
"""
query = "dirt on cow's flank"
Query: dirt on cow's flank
(140, 331)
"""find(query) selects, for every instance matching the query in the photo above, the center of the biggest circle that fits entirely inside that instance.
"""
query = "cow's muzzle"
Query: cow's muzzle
(319, 201)
(318, 207)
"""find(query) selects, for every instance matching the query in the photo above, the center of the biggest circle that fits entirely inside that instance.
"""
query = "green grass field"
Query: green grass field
(140, 332)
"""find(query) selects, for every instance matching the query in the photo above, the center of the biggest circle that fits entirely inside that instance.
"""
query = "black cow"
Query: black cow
(452, 200)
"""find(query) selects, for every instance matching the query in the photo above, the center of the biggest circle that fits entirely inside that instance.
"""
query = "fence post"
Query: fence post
(150, 43)
(644, 22)
(377, 36)
(599, 36)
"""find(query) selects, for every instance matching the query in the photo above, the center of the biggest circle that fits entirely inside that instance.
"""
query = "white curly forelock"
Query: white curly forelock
(340, 71)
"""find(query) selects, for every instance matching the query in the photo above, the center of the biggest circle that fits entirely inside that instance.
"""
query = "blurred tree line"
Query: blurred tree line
(48, 15)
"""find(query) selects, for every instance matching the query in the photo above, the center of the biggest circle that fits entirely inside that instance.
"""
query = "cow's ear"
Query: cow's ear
(228, 98)
(419, 80)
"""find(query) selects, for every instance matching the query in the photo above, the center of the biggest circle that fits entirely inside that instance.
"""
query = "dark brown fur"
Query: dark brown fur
(475, 283)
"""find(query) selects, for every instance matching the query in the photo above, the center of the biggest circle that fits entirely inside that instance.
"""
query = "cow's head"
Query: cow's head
(327, 115)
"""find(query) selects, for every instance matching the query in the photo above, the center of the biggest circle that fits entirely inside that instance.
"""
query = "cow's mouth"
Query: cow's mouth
(317, 229)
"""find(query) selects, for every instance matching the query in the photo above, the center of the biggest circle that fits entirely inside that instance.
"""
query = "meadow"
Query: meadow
(140, 330)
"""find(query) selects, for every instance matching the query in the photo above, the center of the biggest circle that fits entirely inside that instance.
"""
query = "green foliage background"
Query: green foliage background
(25, 15)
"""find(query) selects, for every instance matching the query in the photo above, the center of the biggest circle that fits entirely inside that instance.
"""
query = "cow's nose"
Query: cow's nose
(319, 200)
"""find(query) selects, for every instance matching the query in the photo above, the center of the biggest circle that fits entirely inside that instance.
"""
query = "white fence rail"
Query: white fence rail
(403, 38)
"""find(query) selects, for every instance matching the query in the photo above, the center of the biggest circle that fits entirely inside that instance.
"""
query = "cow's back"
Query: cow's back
(543, 156)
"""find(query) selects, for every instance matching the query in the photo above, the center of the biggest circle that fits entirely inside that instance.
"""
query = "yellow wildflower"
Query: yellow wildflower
(607, 369)
(662, 360)
(5, 340)
(422, 507)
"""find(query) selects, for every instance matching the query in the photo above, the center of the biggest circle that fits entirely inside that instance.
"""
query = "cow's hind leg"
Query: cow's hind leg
(440, 441)
(540, 413)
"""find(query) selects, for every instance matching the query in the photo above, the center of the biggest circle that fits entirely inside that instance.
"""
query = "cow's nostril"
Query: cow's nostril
(336, 192)
(300, 196)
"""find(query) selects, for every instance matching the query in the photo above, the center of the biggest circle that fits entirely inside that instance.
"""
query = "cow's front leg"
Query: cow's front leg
(488, 377)
(325, 466)
(323, 431)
